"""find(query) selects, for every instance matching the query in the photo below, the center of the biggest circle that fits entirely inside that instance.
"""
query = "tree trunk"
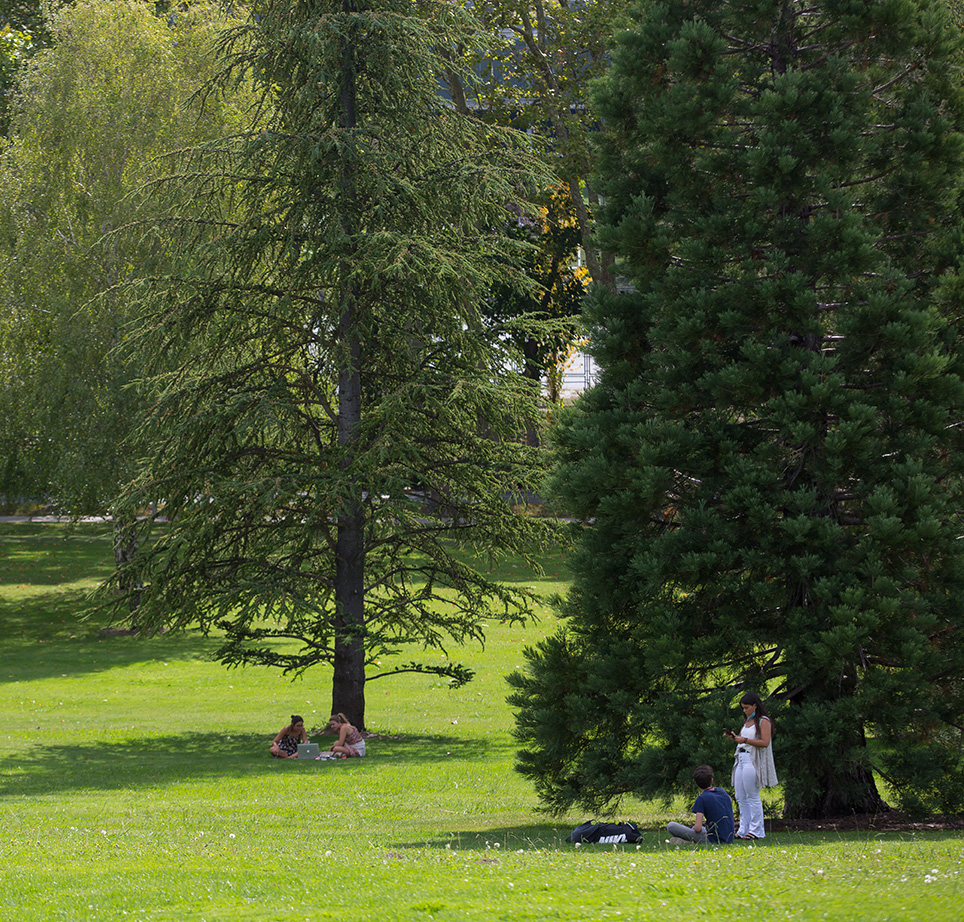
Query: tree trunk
(348, 679)
(125, 550)
(838, 781)
(843, 787)
(606, 261)
(845, 791)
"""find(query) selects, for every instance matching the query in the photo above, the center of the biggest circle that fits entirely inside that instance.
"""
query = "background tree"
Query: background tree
(772, 457)
(15, 46)
(542, 318)
(534, 73)
(93, 113)
(332, 356)
(23, 30)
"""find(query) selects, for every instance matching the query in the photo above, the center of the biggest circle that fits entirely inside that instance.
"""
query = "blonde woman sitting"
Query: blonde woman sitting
(350, 742)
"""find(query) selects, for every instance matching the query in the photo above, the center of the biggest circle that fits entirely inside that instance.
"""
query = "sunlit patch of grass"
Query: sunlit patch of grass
(135, 783)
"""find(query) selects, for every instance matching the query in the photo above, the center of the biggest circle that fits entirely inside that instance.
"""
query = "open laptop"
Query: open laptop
(307, 750)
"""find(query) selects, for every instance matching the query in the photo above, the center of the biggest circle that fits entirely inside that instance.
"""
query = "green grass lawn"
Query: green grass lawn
(135, 783)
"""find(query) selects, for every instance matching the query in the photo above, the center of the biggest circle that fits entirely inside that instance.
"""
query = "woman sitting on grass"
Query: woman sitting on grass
(285, 744)
(350, 742)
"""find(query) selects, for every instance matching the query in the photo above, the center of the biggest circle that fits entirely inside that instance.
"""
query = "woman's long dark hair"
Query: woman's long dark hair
(754, 699)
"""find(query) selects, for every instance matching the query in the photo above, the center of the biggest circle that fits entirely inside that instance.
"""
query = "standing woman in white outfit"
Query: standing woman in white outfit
(753, 767)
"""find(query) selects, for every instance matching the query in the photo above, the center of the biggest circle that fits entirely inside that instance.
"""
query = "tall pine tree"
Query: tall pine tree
(333, 369)
(771, 459)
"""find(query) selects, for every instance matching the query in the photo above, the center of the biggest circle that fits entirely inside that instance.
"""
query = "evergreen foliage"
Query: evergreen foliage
(341, 422)
(771, 460)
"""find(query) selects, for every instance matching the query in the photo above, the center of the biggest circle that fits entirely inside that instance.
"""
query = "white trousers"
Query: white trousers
(748, 797)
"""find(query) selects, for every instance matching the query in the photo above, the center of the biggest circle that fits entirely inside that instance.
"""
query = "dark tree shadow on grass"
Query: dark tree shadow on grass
(491, 843)
(47, 555)
(434, 748)
(155, 760)
(46, 617)
(158, 760)
(39, 639)
(57, 769)
(503, 840)
(49, 621)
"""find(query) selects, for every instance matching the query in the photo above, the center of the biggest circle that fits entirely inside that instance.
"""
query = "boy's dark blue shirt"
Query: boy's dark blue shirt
(717, 810)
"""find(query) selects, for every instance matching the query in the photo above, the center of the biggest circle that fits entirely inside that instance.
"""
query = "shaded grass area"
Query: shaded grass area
(157, 759)
(135, 782)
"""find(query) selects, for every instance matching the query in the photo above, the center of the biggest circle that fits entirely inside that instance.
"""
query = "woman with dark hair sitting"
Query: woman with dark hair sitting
(285, 744)
(753, 767)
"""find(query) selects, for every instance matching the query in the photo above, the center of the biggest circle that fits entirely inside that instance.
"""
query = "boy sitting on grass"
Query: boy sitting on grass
(714, 814)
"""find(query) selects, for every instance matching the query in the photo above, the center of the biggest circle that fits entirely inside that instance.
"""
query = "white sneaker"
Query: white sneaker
(676, 840)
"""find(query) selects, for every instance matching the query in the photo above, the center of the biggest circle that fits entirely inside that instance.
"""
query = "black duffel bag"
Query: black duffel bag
(591, 831)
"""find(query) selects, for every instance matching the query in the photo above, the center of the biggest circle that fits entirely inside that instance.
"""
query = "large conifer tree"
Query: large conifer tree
(771, 459)
(333, 366)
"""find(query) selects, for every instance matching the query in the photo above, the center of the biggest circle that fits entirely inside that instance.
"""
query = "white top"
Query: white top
(766, 770)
